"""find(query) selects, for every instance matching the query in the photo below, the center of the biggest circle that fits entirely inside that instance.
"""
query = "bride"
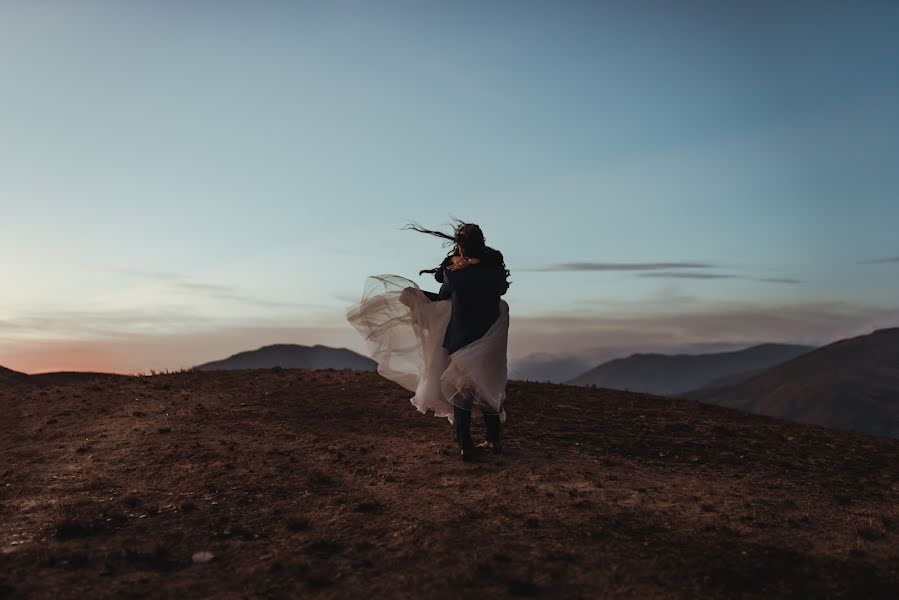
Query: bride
(449, 347)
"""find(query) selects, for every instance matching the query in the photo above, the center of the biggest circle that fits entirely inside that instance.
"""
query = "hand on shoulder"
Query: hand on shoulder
(460, 262)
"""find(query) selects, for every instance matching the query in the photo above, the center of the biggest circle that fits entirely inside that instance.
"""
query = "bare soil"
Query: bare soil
(329, 484)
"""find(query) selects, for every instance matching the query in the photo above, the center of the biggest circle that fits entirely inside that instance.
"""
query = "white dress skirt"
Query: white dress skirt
(404, 331)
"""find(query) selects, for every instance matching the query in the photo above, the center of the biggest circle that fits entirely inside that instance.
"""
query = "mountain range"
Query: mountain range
(850, 384)
(293, 356)
(542, 366)
(674, 374)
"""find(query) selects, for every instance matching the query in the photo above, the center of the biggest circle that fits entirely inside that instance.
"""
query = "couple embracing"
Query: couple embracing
(449, 347)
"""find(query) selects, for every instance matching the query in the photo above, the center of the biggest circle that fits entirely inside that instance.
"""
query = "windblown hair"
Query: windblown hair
(470, 237)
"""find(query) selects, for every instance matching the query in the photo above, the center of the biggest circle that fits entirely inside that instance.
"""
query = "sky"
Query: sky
(180, 181)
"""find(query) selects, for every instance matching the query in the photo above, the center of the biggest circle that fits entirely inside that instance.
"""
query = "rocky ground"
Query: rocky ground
(328, 483)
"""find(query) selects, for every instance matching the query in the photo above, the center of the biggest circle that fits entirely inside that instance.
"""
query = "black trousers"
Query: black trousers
(462, 423)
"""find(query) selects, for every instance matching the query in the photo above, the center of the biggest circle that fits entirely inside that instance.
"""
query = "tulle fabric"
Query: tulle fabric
(404, 331)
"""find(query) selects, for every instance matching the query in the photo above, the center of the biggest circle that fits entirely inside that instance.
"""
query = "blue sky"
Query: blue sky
(181, 181)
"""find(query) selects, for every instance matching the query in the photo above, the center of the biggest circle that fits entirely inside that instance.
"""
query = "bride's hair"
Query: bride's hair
(471, 238)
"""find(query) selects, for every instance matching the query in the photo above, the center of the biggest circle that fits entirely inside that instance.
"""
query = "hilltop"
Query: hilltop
(329, 484)
(8, 377)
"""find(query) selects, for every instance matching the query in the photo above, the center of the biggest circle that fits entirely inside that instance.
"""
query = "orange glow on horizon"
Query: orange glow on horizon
(63, 356)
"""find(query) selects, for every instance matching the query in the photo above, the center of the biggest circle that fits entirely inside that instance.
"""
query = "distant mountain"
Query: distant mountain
(850, 384)
(732, 379)
(10, 377)
(293, 356)
(672, 374)
(541, 366)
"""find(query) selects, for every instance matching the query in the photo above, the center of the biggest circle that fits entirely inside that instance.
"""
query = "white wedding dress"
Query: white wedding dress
(404, 331)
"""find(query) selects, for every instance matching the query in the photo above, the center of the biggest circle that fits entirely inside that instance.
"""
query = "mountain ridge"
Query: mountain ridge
(292, 356)
(674, 374)
(850, 384)
(10, 377)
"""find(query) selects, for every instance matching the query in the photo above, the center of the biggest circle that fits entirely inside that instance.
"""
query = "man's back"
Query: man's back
(475, 292)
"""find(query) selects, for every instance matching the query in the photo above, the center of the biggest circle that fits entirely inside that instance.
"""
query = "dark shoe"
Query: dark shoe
(494, 447)
(469, 451)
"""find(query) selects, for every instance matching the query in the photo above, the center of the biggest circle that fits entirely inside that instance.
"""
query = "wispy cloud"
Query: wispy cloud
(609, 266)
(157, 275)
(660, 270)
(789, 280)
(660, 329)
(679, 275)
(345, 297)
(231, 294)
(204, 287)
(8, 326)
(185, 284)
(260, 302)
(880, 261)
(701, 275)
(88, 323)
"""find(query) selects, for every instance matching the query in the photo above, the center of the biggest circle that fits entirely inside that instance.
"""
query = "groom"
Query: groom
(475, 290)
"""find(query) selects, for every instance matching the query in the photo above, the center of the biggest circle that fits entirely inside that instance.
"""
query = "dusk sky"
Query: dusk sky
(180, 181)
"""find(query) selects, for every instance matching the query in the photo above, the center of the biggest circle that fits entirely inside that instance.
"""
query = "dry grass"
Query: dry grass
(328, 483)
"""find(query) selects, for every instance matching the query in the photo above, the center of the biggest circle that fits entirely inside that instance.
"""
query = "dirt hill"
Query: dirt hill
(329, 484)
(8, 377)
(852, 384)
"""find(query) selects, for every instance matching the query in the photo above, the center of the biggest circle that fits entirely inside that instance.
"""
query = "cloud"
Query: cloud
(700, 275)
(880, 261)
(604, 266)
(228, 293)
(789, 280)
(104, 324)
(260, 302)
(345, 297)
(678, 275)
(659, 270)
(204, 287)
(89, 324)
(231, 294)
(601, 334)
(158, 275)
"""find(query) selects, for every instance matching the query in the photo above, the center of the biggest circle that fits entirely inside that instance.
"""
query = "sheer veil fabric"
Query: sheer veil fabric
(404, 331)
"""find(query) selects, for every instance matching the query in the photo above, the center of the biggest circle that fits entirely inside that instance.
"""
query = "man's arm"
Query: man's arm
(438, 275)
(446, 290)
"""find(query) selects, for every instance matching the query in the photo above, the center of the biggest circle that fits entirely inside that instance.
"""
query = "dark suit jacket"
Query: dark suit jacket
(475, 292)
